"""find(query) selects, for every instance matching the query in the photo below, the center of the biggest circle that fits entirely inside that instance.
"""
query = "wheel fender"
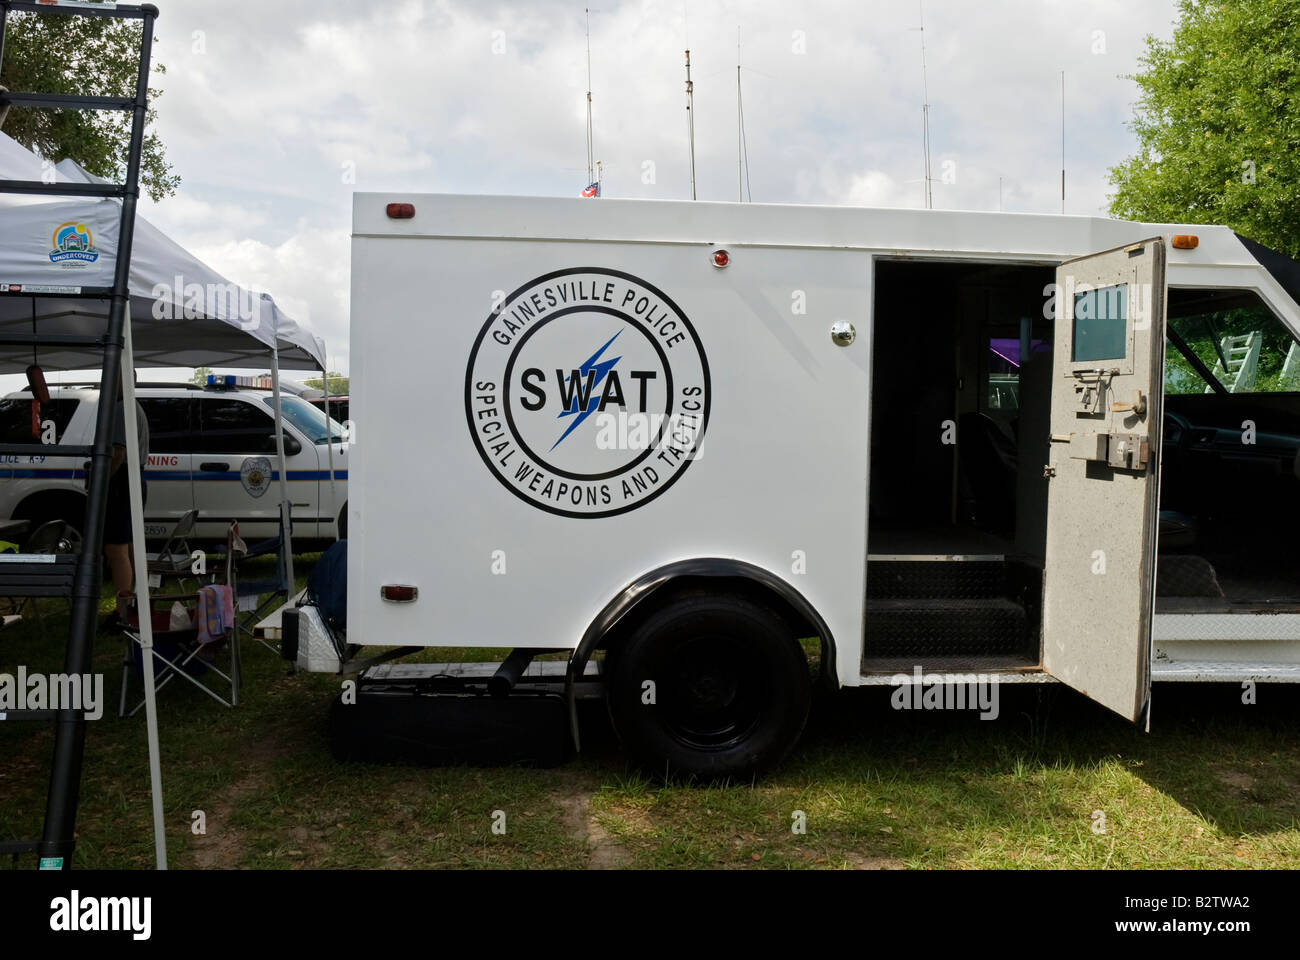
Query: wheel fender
(640, 590)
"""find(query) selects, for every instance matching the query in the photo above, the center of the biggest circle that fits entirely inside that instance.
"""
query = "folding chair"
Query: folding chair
(179, 652)
(51, 537)
(175, 559)
(260, 596)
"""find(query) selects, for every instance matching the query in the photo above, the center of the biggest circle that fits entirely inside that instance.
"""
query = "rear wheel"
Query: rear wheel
(40, 510)
(709, 685)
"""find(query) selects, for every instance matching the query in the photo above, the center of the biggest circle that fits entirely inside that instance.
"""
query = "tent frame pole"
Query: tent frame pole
(286, 506)
(329, 437)
(141, 564)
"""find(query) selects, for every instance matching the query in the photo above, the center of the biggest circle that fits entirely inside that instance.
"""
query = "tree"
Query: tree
(1217, 123)
(99, 56)
(338, 384)
(201, 376)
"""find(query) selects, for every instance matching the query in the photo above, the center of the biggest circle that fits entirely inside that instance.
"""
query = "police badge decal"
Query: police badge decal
(255, 475)
(587, 392)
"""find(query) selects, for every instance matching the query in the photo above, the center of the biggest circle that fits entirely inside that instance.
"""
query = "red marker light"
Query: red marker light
(398, 593)
(721, 258)
(401, 211)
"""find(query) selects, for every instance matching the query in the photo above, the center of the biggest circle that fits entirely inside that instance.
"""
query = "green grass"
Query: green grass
(1216, 784)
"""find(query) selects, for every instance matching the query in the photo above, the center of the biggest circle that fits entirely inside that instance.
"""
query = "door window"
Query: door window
(170, 426)
(232, 426)
(16, 418)
(1100, 324)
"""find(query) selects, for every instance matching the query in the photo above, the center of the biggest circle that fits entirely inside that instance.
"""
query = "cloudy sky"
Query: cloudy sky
(274, 112)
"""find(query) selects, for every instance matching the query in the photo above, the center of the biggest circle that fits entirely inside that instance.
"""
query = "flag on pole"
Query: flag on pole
(592, 190)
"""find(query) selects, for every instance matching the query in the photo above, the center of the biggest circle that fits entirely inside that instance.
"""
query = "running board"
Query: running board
(1214, 671)
(547, 675)
(953, 676)
(1164, 671)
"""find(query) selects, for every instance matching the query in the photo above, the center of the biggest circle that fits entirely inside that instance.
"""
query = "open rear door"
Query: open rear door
(1102, 505)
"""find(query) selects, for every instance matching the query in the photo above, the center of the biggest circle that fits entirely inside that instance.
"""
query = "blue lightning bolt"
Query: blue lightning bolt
(600, 369)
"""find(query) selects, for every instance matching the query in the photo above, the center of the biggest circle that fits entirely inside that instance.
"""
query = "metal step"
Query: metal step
(52, 340)
(63, 188)
(1214, 671)
(902, 578)
(26, 575)
(43, 290)
(65, 101)
(118, 11)
(944, 627)
(8, 715)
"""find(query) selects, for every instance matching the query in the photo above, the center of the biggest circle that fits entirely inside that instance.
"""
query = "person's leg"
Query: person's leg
(117, 541)
(119, 568)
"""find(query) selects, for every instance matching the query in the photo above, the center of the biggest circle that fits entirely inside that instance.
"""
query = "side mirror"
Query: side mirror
(291, 445)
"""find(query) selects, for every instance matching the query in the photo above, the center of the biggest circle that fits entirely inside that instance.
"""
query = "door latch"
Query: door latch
(1138, 406)
(1128, 451)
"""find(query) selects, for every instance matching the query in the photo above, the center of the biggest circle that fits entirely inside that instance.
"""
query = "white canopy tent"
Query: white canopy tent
(181, 313)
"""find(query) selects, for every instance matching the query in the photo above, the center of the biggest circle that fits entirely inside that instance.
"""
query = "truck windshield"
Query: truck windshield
(310, 419)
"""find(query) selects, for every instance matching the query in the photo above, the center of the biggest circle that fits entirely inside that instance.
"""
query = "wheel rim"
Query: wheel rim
(710, 695)
(70, 541)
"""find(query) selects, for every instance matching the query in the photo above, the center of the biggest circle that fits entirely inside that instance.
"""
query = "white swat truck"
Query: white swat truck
(673, 439)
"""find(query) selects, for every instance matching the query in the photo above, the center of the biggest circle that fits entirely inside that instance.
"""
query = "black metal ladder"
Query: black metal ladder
(77, 577)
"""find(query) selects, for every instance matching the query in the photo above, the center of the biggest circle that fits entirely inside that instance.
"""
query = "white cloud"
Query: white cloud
(261, 124)
(307, 274)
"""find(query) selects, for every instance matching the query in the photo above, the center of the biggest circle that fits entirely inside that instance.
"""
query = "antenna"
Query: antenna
(690, 118)
(925, 112)
(742, 146)
(591, 172)
(1063, 141)
(999, 194)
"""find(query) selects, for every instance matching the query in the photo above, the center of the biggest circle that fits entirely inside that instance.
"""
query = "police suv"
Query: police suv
(210, 448)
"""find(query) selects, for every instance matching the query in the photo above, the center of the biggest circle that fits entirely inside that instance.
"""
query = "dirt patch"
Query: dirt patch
(222, 845)
(605, 853)
(1238, 779)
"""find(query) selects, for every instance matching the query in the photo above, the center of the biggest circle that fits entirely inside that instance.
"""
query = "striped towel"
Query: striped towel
(215, 614)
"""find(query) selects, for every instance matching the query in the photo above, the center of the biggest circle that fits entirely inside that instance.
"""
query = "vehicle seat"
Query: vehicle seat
(987, 455)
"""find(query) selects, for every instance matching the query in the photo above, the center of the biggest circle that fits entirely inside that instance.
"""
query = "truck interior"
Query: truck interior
(1230, 481)
(962, 362)
(957, 523)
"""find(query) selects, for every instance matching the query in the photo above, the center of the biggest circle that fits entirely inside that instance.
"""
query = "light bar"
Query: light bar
(228, 381)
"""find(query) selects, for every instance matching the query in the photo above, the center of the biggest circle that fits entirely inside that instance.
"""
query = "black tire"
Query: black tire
(731, 688)
(41, 509)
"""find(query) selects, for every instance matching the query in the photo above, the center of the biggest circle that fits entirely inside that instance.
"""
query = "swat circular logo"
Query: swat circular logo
(587, 392)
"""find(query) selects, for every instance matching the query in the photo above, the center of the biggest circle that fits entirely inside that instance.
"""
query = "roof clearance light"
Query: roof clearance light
(721, 258)
(1185, 241)
(401, 211)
